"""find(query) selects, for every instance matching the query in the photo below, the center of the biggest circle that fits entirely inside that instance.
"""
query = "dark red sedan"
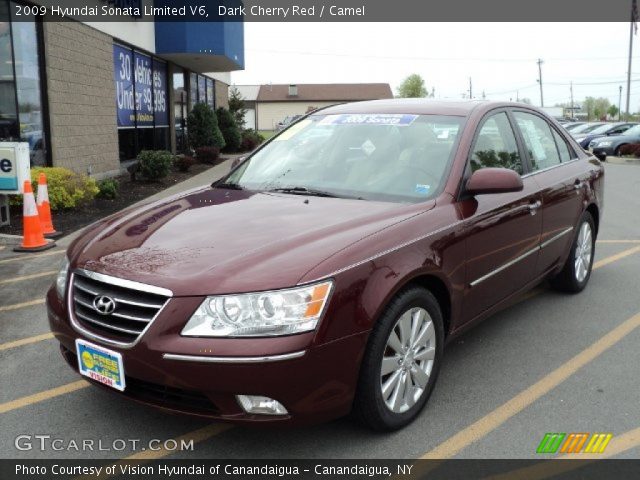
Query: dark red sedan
(325, 273)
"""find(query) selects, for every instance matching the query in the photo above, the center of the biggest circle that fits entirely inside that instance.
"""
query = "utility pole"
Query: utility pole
(540, 62)
(632, 26)
(571, 90)
(620, 103)
(470, 89)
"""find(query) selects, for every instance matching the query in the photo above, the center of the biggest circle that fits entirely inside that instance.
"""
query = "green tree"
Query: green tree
(229, 129)
(588, 106)
(612, 111)
(237, 107)
(601, 105)
(202, 127)
(412, 87)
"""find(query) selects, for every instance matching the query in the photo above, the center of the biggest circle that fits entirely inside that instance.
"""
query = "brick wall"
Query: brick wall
(222, 94)
(81, 91)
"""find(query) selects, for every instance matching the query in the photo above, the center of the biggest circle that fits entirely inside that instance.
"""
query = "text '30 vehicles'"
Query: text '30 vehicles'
(325, 273)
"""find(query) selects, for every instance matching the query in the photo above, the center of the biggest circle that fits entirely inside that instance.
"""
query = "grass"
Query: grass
(267, 134)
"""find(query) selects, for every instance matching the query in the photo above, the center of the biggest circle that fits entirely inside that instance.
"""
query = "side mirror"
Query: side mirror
(236, 162)
(494, 180)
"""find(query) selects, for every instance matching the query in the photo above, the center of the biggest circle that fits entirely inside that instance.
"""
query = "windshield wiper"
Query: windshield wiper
(304, 191)
(311, 192)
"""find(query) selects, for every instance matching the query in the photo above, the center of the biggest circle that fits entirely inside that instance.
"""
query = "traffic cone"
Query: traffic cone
(44, 208)
(33, 239)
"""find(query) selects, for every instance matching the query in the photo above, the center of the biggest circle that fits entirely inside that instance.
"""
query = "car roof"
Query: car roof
(420, 106)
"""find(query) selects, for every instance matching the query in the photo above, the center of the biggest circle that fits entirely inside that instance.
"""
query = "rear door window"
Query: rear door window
(563, 148)
(539, 141)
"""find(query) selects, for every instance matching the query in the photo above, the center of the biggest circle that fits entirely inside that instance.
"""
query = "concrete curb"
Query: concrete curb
(7, 239)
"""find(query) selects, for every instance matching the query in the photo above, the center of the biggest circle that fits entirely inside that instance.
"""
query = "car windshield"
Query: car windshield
(381, 157)
(633, 131)
(602, 129)
(589, 127)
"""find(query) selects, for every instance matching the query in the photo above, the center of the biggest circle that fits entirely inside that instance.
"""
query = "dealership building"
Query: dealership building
(91, 95)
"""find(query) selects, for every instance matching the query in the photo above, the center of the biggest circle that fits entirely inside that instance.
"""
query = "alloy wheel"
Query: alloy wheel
(407, 360)
(584, 248)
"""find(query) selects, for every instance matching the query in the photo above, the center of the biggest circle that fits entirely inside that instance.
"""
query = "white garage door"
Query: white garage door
(250, 119)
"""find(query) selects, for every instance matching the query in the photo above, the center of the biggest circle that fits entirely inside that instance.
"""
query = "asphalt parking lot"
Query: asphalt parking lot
(549, 363)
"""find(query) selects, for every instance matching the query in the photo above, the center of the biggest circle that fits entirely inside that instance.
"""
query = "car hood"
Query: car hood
(213, 241)
(622, 138)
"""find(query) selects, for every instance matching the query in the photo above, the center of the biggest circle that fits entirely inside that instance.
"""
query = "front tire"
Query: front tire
(401, 363)
(616, 152)
(577, 270)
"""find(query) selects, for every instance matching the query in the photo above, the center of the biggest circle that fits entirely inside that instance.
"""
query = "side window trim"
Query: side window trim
(555, 141)
(572, 153)
(522, 148)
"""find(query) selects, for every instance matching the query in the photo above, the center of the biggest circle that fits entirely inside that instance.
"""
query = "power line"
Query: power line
(615, 82)
(435, 59)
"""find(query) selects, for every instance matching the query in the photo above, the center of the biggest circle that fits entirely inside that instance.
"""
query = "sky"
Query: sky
(500, 58)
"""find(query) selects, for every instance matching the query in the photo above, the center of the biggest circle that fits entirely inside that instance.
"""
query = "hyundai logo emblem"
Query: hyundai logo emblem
(104, 305)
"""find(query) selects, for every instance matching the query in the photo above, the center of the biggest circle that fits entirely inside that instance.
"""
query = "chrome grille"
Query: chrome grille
(135, 306)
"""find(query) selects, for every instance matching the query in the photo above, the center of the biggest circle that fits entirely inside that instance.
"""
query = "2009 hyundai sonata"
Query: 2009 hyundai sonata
(325, 273)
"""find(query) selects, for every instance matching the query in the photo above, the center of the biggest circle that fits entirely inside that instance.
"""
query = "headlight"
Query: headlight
(606, 143)
(279, 312)
(61, 279)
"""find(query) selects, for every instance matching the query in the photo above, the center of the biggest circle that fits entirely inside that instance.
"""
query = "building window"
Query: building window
(210, 94)
(21, 105)
(201, 90)
(180, 108)
(193, 89)
(141, 102)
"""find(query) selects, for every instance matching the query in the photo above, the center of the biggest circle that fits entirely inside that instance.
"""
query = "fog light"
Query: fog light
(261, 405)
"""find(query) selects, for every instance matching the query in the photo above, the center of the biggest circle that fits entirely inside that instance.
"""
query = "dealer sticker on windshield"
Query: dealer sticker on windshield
(400, 119)
(100, 364)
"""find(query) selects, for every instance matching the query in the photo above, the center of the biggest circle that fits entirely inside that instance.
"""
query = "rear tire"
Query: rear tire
(401, 363)
(576, 272)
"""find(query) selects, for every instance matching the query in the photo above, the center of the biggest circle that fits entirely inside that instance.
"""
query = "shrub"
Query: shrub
(229, 129)
(250, 140)
(202, 128)
(108, 188)
(237, 106)
(184, 162)
(207, 154)
(67, 189)
(154, 164)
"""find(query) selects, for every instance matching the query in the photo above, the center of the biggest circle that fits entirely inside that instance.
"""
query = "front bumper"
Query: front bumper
(602, 152)
(315, 383)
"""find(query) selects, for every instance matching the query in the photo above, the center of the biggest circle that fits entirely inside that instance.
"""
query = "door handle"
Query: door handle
(533, 207)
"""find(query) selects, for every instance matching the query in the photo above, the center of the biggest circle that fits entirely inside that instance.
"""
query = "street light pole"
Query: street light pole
(632, 27)
(540, 62)
(571, 90)
(620, 103)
